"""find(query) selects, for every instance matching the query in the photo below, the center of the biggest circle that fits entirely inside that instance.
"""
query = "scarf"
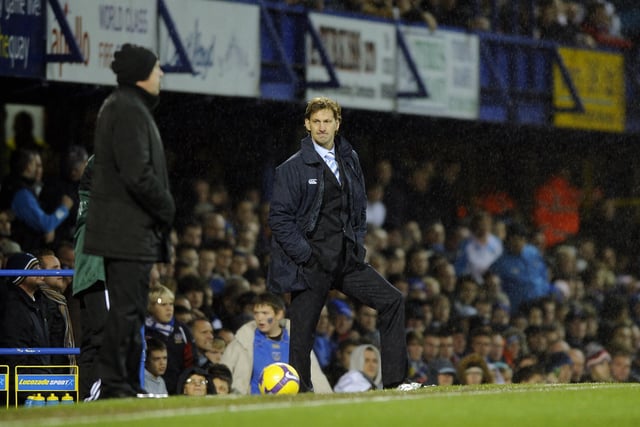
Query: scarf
(61, 301)
(165, 329)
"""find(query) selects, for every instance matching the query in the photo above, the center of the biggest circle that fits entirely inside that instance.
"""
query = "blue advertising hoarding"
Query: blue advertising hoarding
(46, 382)
(22, 38)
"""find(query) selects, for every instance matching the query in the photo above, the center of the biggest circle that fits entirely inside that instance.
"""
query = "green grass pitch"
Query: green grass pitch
(579, 405)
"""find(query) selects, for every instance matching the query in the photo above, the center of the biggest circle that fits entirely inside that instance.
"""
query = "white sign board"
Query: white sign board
(363, 54)
(448, 63)
(100, 28)
(222, 42)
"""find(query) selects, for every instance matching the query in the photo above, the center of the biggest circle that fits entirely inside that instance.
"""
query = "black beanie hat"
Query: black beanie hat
(21, 261)
(133, 63)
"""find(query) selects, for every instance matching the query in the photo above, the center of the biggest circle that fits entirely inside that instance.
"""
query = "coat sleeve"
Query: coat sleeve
(360, 206)
(318, 378)
(237, 360)
(285, 205)
(132, 140)
(27, 208)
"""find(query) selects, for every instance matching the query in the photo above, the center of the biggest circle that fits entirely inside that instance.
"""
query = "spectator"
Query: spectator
(322, 346)
(366, 324)
(66, 183)
(412, 11)
(222, 270)
(472, 369)
(515, 345)
(341, 318)
(58, 317)
(555, 25)
(621, 361)
(354, 6)
(190, 234)
(8, 246)
(577, 366)
(446, 375)
(598, 364)
(533, 374)
(195, 382)
(161, 325)
(23, 134)
(219, 346)
(214, 228)
(376, 209)
(202, 332)
(380, 8)
(24, 323)
(32, 226)
(155, 366)
(262, 342)
(206, 264)
(598, 24)
(557, 207)
(479, 250)
(559, 368)
(193, 288)
(521, 269)
(365, 372)
(466, 295)
(222, 378)
(341, 361)
(417, 367)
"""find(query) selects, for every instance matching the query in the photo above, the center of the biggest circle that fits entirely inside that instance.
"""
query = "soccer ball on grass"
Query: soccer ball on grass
(279, 378)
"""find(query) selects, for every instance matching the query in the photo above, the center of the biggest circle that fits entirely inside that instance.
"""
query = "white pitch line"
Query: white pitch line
(379, 397)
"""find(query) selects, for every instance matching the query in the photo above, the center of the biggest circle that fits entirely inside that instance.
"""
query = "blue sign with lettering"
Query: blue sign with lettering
(46, 382)
(22, 38)
(3, 382)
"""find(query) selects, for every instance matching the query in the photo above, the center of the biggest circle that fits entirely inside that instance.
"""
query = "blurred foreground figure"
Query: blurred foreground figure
(130, 213)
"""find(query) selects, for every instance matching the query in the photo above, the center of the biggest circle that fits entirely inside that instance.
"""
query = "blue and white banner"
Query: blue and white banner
(448, 63)
(22, 44)
(363, 54)
(100, 28)
(46, 382)
(222, 43)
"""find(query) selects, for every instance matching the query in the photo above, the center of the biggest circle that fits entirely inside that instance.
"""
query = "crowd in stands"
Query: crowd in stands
(493, 294)
(584, 23)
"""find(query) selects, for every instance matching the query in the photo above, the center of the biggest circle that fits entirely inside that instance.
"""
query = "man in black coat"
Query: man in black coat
(130, 212)
(318, 221)
(23, 319)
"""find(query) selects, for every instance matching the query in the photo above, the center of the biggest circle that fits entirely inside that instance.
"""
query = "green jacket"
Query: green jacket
(88, 268)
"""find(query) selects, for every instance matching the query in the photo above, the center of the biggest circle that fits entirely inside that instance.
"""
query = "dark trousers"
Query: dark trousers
(121, 352)
(93, 317)
(364, 284)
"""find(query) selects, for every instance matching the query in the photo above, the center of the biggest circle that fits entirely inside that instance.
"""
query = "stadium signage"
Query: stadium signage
(100, 29)
(363, 54)
(46, 382)
(223, 48)
(21, 32)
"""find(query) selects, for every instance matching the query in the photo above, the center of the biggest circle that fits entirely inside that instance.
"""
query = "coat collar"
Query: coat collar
(342, 148)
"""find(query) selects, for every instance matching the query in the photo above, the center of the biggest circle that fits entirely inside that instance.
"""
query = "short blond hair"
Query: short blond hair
(159, 292)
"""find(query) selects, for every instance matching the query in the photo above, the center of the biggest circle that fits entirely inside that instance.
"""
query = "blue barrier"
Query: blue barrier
(37, 273)
(40, 350)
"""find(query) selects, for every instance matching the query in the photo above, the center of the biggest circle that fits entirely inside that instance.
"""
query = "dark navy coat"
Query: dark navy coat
(295, 206)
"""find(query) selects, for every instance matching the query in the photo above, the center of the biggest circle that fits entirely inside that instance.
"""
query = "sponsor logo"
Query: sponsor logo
(313, 181)
(288, 375)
